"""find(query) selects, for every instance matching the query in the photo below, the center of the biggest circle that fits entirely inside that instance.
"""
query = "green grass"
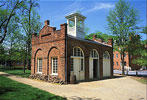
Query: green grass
(12, 90)
(18, 72)
(140, 79)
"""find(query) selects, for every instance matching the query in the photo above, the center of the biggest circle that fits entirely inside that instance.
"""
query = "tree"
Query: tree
(31, 23)
(104, 37)
(140, 49)
(122, 22)
(14, 42)
(8, 10)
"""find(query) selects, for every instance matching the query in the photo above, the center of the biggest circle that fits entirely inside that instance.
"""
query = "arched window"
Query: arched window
(94, 54)
(77, 52)
(106, 55)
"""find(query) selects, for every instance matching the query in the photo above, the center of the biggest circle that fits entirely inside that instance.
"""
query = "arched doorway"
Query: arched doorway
(106, 64)
(77, 63)
(94, 64)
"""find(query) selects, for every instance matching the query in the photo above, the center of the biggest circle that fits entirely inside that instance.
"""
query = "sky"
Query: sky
(95, 11)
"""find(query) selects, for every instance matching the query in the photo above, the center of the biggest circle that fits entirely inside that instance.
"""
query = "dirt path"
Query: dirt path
(123, 88)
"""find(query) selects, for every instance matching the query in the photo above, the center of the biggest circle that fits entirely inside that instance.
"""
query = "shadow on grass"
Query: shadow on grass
(39, 96)
(99, 79)
(56, 98)
(5, 90)
(80, 98)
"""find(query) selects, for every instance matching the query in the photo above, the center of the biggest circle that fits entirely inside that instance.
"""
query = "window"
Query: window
(81, 64)
(55, 66)
(116, 55)
(106, 55)
(124, 55)
(125, 63)
(77, 52)
(71, 23)
(71, 63)
(79, 24)
(94, 54)
(40, 65)
(117, 63)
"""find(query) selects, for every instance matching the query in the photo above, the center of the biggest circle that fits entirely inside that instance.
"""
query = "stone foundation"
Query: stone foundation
(47, 78)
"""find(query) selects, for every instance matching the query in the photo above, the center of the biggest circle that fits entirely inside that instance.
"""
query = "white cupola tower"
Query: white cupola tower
(75, 25)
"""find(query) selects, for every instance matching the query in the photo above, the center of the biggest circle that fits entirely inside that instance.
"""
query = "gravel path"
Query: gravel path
(123, 88)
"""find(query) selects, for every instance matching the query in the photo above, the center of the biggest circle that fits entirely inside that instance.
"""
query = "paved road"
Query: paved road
(123, 88)
(141, 73)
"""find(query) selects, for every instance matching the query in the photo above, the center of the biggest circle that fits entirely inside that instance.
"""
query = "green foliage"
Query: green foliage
(137, 47)
(100, 35)
(10, 89)
(142, 60)
(144, 30)
(122, 21)
(8, 9)
(71, 24)
(30, 21)
(18, 20)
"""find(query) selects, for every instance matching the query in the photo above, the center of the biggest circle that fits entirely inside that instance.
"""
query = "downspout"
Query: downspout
(112, 57)
(66, 54)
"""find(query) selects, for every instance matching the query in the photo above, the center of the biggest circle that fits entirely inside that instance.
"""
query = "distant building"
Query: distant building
(128, 64)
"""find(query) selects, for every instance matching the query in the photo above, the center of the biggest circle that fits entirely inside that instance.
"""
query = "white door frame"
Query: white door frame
(106, 66)
(91, 67)
(80, 75)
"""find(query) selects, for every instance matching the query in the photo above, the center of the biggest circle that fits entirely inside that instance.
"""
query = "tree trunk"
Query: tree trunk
(122, 59)
(24, 68)
(25, 59)
(29, 55)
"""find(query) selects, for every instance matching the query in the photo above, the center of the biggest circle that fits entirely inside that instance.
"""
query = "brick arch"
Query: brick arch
(54, 47)
(97, 50)
(35, 57)
(108, 53)
(80, 46)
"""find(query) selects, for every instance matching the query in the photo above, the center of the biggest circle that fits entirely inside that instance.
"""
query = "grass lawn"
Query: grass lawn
(12, 90)
(140, 79)
(18, 72)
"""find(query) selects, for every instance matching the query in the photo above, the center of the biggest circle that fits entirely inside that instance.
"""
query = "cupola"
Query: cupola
(75, 25)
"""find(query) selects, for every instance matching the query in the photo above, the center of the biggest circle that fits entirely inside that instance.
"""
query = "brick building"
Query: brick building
(117, 64)
(65, 52)
(128, 64)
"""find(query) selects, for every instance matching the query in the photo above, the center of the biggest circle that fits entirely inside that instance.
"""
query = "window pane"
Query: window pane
(39, 65)
(71, 64)
(77, 52)
(81, 64)
(55, 65)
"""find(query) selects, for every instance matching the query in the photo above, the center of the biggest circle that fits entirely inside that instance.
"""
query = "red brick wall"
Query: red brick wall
(115, 60)
(50, 43)
(128, 60)
(87, 47)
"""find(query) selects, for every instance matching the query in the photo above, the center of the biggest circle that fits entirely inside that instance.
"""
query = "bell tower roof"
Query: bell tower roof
(75, 14)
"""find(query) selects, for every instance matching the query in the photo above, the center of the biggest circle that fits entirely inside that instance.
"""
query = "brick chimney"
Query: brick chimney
(46, 23)
(110, 41)
(63, 29)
